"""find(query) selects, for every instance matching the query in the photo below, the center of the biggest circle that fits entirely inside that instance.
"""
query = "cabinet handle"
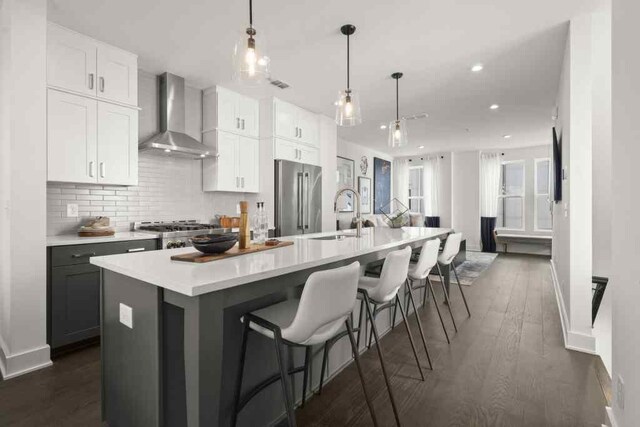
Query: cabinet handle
(90, 80)
(135, 250)
(103, 170)
(237, 122)
(242, 179)
(237, 182)
(300, 132)
(88, 254)
(91, 169)
(242, 124)
(101, 84)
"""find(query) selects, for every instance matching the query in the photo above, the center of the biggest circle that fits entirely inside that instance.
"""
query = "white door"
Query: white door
(117, 144)
(227, 107)
(71, 61)
(71, 138)
(249, 113)
(309, 155)
(286, 150)
(227, 162)
(308, 127)
(286, 117)
(249, 164)
(117, 75)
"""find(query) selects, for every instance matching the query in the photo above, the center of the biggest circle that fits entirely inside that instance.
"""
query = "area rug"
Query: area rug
(471, 268)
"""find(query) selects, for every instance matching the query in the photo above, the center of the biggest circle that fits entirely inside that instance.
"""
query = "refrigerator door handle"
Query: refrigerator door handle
(307, 204)
(300, 223)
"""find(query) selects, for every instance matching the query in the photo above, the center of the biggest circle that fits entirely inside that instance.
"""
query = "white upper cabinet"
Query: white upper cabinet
(285, 149)
(71, 61)
(82, 65)
(294, 123)
(71, 138)
(237, 167)
(117, 144)
(117, 75)
(231, 112)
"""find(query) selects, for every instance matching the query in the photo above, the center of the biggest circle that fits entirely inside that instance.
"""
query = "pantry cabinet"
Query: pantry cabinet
(231, 112)
(237, 167)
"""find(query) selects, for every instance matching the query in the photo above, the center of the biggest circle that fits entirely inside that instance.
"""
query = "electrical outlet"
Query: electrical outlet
(238, 208)
(72, 210)
(620, 392)
(126, 315)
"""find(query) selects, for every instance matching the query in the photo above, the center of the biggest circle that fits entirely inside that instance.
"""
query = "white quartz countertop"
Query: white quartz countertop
(192, 279)
(74, 239)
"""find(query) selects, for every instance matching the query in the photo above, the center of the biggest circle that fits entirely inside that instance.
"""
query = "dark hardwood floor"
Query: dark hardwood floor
(506, 366)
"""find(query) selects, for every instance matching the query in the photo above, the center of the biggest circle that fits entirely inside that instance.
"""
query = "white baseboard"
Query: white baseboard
(577, 341)
(610, 417)
(14, 365)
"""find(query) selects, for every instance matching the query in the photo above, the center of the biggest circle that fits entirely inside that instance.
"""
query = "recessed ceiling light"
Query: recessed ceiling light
(506, 136)
(422, 146)
(477, 68)
(494, 106)
(383, 126)
(167, 150)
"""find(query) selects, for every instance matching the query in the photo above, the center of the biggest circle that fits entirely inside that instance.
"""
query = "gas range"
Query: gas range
(177, 234)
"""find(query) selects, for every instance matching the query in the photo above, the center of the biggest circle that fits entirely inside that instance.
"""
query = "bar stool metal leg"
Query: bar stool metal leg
(413, 346)
(375, 306)
(286, 387)
(460, 287)
(382, 365)
(415, 310)
(307, 361)
(446, 297)
(324, 366)
(356, 358)
(360, 323)
(243, 355)
(438, 310)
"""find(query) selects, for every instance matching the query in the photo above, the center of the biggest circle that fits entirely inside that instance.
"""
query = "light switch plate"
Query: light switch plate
(72, 210)
(620, 392)
(126, 315)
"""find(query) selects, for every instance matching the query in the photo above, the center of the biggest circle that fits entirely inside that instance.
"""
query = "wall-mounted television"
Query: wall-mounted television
(557, 166)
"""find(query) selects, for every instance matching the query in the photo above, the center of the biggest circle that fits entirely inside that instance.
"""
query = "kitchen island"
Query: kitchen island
(171, 330)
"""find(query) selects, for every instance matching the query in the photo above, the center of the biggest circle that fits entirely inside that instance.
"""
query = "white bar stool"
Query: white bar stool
(420, 273)
(382, 292)
(325, 305)
(450, 251)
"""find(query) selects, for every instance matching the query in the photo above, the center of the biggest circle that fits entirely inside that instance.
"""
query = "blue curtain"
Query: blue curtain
(487, 225)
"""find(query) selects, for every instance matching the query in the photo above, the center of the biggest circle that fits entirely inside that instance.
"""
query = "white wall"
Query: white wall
(572, 234)
(625, 268)
(465, 196)
(328, 161)
(22, 255)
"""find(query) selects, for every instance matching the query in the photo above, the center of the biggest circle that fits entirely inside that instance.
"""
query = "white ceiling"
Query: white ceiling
(433, 42)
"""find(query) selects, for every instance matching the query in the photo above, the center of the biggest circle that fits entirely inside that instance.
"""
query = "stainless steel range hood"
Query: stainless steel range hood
(172, 139)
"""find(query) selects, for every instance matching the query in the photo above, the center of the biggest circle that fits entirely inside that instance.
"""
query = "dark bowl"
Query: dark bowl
(215, 247)
(214, 238)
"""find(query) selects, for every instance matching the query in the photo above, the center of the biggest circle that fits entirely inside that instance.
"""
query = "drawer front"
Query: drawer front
(80, 254)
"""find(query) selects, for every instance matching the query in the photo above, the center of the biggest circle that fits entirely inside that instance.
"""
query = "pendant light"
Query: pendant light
(398, 127)
(250, 62)
(348, 104)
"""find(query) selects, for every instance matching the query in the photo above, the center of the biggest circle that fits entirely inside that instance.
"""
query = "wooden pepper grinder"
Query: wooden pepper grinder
(245, 234)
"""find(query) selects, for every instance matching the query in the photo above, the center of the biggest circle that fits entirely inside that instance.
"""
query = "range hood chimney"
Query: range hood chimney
(172, 139)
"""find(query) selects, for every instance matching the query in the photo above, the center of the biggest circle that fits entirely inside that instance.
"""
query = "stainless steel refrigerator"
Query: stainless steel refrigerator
(298, 204)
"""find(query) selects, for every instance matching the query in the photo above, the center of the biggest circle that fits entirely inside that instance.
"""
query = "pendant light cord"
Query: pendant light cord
(251, 13)
(348, 60)
(397, 100)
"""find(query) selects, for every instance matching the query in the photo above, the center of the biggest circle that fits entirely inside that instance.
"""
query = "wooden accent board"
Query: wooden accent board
(200, 257)
(96, 233)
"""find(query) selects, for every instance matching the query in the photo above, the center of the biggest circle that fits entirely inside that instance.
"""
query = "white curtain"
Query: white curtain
(431, 175)
(489, 184)
(401, 181)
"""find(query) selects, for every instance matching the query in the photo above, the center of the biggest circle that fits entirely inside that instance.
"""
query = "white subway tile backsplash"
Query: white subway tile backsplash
(168, 189)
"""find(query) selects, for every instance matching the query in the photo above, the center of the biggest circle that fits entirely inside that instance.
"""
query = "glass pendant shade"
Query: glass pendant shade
(250, 60)
(398, 133)
(348, 109)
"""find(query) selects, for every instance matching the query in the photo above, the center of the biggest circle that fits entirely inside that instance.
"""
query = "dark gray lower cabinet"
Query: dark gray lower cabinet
(75, 304)
(74, 289)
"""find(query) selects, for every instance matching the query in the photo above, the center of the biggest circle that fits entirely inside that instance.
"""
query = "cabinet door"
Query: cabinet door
(75, 303)
(249, 164)
(227, 162)
(249, 113)
(309, 155)
(227, 106)
(308, 124)
(286, 120)
(285, 150)
(71, 138)
(117, 144)
(117, 75)
(71, 61)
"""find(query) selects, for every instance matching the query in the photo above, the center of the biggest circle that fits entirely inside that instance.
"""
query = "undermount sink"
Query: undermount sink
(334, 237)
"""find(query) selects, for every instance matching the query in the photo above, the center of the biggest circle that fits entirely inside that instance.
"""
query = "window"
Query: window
(511, 198)
(416, 192)
(543, 218)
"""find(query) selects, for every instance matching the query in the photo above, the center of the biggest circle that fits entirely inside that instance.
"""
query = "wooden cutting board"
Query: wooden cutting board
(199, 257)
(96, 233)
